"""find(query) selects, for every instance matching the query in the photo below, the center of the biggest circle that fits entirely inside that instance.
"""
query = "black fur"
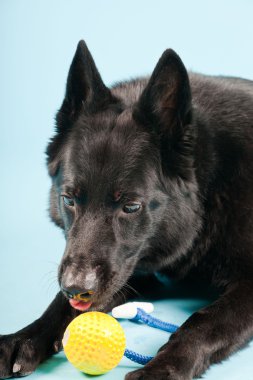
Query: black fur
(180, 147)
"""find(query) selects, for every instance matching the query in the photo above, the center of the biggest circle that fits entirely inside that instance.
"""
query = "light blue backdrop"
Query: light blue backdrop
(38, 40)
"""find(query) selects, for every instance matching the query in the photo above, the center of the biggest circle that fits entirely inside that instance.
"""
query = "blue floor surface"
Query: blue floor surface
(146, 340)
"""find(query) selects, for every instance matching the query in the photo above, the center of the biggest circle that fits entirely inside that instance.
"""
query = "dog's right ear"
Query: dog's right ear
(85, 89)
(85, 93)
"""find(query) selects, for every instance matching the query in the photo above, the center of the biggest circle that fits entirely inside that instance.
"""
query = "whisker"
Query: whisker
(132, 289)
(51, 284)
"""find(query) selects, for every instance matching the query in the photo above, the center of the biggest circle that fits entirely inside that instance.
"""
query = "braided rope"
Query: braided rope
(152, 322)
(137, 358)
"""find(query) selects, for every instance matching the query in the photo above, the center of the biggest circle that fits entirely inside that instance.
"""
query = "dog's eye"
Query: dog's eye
(131, 207)
(68, 201)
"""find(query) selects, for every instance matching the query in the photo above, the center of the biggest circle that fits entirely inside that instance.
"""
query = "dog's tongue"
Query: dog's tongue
(80, 305)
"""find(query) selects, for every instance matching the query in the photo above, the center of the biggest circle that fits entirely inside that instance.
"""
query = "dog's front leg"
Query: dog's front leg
(20, 353)
(208, 336)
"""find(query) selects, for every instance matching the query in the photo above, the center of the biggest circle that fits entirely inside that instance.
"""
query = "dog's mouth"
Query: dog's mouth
(80, 305)
(90, 305)
(79, 301)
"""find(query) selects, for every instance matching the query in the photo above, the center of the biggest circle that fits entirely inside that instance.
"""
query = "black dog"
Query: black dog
(154, 175)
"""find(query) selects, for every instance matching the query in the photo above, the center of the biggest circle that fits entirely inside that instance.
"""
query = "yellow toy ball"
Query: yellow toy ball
(94, 342)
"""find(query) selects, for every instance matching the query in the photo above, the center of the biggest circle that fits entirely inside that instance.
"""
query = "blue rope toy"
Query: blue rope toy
(138, 314)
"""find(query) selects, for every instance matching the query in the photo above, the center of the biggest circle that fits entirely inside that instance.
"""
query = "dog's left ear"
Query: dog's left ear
(165, 110)
(166, 101)
(85, 89)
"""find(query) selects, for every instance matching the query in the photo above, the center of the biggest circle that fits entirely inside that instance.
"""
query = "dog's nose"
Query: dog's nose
(78, 294)
(81, 288)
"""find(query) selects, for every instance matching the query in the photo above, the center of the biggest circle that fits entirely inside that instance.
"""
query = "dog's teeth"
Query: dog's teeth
(16, 368)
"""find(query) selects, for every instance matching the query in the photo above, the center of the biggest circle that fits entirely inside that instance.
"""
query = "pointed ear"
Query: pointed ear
(166, 101)
(85, 88)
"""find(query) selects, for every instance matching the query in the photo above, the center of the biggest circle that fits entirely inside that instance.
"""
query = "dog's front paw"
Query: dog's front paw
(19, 355)
(142, 374)
(154, 374)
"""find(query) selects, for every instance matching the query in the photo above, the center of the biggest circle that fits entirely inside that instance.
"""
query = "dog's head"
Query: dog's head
(122, 176)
